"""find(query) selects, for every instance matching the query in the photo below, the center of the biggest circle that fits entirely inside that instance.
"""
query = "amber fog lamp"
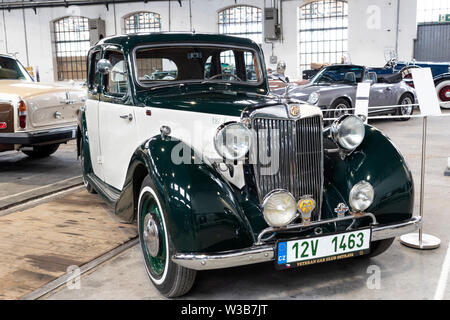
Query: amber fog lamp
(233, 140)
(279, 208)
(348, 131)
(361, 196)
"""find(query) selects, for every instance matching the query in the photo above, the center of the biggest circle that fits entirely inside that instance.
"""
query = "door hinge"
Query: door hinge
(100, 160)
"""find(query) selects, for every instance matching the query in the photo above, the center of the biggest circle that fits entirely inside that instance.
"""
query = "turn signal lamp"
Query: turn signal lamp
(22, 115)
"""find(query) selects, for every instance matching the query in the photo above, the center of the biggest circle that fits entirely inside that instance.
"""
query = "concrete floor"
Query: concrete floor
(404, 273)
(22, 178)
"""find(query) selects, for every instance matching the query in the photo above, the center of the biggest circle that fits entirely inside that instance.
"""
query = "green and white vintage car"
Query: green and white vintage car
(219, 173)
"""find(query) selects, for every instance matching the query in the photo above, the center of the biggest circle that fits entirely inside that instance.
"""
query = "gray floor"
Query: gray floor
(404, 273)
(22, 177)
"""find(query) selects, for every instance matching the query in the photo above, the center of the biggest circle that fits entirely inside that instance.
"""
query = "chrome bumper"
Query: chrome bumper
(264, 253)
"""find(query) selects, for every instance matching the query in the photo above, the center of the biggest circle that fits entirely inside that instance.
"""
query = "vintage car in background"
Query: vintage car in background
(220, 173)
(439, 70)
(334, 88)
(35, 117)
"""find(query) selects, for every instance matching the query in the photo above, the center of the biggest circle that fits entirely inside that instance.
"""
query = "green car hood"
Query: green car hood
(229, 103)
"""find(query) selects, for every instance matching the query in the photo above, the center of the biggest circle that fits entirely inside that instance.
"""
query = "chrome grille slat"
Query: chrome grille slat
(299, 145)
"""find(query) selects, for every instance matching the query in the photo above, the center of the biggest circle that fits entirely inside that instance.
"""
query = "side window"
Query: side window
(93, 75)
(116, 81)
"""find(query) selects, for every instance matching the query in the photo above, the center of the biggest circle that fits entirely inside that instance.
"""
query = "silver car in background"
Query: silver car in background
(334, 88)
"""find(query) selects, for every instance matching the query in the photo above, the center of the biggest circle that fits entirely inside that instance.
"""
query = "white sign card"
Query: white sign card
(426, 92)
(362, 100)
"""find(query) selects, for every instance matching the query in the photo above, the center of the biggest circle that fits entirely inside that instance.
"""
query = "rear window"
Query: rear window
(11, 69)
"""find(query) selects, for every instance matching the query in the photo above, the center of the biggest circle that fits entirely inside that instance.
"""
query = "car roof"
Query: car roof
(132, 40)
(6, 55)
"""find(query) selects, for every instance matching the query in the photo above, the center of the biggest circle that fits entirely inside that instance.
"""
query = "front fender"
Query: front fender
(380, 163)
(201, 210)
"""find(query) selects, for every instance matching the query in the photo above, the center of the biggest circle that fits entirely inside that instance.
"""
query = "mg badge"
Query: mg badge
(306, 206)
(295, 110)
(341, 209)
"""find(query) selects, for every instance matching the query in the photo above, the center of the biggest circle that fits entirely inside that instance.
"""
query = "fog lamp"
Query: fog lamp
(361, 196)
(279, 208)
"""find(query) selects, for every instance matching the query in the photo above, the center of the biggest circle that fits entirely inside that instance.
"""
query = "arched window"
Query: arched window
(71, 38)
(142, 22)
(243, 21)
(323, 32)
(432, 11)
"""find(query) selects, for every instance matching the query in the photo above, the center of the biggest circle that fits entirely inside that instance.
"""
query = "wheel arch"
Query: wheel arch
(202, 211)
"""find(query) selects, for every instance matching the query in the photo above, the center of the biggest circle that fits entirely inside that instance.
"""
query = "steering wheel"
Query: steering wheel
(223, 74)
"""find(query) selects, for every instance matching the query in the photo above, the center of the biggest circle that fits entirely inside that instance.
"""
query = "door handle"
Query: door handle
(127, 116)
(388, 89)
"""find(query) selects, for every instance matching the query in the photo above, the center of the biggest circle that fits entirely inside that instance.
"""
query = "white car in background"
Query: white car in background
(35, 117)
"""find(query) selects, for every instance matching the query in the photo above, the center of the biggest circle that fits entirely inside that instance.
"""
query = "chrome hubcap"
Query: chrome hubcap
(406, 110)
(151, 235)
(339, 110)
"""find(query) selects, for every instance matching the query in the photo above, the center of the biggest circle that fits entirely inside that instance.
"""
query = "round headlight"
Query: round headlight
(233, 140)
(279, 208)
(348, 131)
(313, 98)
(361, 196)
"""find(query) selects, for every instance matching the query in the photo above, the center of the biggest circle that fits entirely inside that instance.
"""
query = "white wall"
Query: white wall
(366, 43)
(372, 30)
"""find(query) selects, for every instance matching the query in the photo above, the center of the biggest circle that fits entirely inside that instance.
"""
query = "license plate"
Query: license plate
(306, 251)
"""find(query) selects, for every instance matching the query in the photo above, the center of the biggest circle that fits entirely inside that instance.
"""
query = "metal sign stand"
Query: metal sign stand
(420, 240)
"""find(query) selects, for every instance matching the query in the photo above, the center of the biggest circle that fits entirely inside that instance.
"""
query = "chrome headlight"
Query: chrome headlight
(233, 140)
(361, 196)
(313, 98)
(348, 131)
(279, 208)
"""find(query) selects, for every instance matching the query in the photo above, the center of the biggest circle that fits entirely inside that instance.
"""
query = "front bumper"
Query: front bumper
(264, 253)
(58, 135)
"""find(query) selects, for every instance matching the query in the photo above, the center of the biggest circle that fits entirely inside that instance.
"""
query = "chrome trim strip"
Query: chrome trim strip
(225, 259)
(314, 223)
(265, 253)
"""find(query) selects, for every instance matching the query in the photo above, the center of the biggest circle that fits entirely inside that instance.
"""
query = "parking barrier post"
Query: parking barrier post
(421, 240)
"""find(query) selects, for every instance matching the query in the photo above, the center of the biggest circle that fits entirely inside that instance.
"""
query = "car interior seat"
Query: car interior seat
(350, 76)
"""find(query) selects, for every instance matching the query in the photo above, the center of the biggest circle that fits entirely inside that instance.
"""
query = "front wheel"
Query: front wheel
(406, 108)
(443, 92)
(42, 151)
(170, 279)
(337, 109)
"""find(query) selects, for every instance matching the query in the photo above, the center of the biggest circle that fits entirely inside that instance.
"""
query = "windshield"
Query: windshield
(164, 65)
(339, 74)
(11, 69)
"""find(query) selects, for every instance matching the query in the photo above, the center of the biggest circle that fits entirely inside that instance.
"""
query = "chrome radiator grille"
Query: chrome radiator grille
(299, 169)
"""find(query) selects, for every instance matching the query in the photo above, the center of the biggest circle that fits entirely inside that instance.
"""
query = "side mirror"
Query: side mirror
(281, 67)
(104, 66)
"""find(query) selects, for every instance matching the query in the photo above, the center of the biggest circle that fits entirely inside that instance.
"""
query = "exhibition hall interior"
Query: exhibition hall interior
(225, 150)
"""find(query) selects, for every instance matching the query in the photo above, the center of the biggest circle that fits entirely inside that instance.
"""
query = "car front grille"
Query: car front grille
(299, 146)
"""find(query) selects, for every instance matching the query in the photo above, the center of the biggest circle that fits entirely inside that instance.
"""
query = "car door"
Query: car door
(381, 94)
(92, 112)
(118, 131)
